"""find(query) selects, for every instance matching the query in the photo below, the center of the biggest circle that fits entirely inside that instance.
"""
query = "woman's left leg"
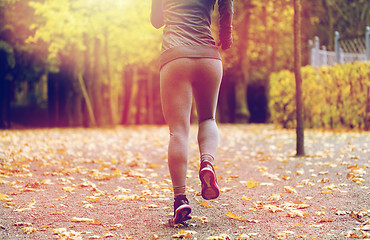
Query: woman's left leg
(176, 98)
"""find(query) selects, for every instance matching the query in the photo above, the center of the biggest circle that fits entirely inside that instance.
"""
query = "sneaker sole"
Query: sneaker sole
(210, 188)
(182, 214)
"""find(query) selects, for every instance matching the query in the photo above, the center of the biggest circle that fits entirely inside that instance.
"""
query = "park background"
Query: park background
(73, 63)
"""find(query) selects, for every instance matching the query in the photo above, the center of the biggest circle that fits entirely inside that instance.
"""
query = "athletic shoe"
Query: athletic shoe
(181, 209)
(208, 178)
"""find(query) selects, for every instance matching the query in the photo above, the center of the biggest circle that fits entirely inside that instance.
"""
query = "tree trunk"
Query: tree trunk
(5, 92)
(150, 98)
(298, 77)
(331, 22)
(88, 82)
(2, 91)
(242, 111)
(97, 84)
(87, 99)
(132, 108)
(110, 84)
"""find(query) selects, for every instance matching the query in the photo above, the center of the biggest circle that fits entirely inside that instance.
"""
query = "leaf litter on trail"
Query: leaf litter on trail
(77, 164)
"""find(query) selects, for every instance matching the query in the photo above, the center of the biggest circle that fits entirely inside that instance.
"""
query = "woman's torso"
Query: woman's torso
(187, 31)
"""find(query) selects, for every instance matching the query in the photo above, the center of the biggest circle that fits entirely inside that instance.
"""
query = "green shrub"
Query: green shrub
(333, 97)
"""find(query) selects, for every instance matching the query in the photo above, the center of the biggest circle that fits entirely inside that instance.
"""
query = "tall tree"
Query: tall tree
(298, 77)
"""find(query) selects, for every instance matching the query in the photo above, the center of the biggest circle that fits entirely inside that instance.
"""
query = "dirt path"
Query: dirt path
(114, 184)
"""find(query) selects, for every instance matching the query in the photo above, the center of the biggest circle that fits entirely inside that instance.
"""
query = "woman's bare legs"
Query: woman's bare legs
(180, 79)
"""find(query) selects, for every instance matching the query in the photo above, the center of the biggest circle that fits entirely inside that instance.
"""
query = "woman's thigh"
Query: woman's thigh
(176, 94)
(206, 85)
(180, 80)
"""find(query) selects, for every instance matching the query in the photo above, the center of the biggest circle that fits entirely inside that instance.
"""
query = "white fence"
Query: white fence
(346, 50)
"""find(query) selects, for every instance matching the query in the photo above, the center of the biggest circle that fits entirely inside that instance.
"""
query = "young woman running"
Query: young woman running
(191, 66)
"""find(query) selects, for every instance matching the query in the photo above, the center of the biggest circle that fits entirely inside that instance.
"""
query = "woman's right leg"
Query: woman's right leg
(206, 85)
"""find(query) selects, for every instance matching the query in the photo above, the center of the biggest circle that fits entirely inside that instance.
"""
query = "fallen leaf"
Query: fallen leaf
(243, 237)
(326, 191)
(246, 198)
(202, 219)
(88, 220)
(184, 234)
(204, 203)
(252, 184)
(297, 213)
(5, 198)
(20, 224)
(94, 237)
(233, 216)
(284, 234)
(88, 206)
(275, 197)
(320, 213)
(59, 231)
(29, 230)
(325, 220)
(219, 237)
(108, 234)
(290, 189)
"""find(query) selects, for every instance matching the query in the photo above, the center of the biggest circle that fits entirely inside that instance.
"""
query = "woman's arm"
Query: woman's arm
(156, 16)
(225, 8)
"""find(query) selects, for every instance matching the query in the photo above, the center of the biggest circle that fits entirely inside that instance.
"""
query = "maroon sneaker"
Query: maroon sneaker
(181, 209)
(208, 178)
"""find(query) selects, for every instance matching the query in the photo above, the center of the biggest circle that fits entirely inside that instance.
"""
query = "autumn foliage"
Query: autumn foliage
(334, 97)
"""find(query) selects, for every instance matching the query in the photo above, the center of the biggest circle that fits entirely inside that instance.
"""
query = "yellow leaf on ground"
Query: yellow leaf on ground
(272, 208)
(5, 198)
(252, 184)
(60, 198)
(290, 189)
(275, 197)
(93, 198)
(88, 220)
(204, 203)
(94, 237)
(29, 230)
(184, 234)
(225, 189)
(59, 231)
(320, 213)
(153, 166)
(43, 227)
(246, 198)
(219, 237)
(243, 237)
(68, 189)
(123, 197)
(202, 219)
(56, 213)
(108, 234)
(233, 216)
(297, 213)
(285, 177)
(284, 234)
